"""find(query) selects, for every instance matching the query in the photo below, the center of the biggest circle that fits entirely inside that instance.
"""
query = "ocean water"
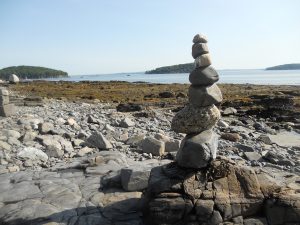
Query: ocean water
(276, 77)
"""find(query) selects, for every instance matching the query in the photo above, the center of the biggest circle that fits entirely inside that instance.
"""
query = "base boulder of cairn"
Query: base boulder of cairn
(223, 193)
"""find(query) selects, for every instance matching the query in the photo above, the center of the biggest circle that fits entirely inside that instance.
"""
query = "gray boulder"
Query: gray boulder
(99, 141)
(195, 119)
(197, 150)
(13, 78)
(205, 96)
(204, 76)
(202, 60)
(199, 49)
(200, 38)
(153, 146)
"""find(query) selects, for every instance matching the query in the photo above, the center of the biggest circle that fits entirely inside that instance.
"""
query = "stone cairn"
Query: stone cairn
(6, 109)
(198, 189)
(198, 118)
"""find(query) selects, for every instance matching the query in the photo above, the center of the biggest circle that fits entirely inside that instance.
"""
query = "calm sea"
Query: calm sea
(288, 77)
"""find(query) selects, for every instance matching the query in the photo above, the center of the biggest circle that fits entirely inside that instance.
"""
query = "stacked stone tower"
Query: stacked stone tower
(6, 109)
(200, 115)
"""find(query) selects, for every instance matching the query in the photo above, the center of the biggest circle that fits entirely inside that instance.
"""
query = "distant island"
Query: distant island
(180, 68)
(293, 66)
(31, 72)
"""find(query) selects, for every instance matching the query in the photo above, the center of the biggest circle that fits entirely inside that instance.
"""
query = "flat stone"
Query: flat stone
(200, 38)
(199, 49)
(204, 96)
(202, 61)
(7, 110)
(99, 141)
(195, 119)
(153, 146)
(204, 76)
(197, 150)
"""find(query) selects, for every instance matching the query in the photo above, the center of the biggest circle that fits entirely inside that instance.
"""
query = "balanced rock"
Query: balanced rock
(200, 38)
(197, 150)
(202, 60)
(204, 95)
(199, 49)
(193, 119)
(13, 78)
(204, 76)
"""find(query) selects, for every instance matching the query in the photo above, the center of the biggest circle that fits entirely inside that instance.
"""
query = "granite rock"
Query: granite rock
(194, 119)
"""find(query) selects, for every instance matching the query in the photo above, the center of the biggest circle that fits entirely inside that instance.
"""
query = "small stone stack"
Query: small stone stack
(6, 109)
(200, 115)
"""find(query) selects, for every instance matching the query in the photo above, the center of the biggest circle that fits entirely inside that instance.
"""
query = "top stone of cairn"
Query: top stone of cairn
(200, 38)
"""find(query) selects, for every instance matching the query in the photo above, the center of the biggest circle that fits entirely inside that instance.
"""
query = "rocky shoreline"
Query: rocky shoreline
(87, 162)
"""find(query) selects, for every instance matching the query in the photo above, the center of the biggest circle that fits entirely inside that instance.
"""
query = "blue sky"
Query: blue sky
(108, 36)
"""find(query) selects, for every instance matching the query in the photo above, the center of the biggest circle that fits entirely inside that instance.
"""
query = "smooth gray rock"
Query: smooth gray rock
(202, 60)
(7, 110)
(197, 150)
(33, 154)
(200, 96)
(13, 78)
(153, 146)
(194, 119)
(204, 76)
(199, 49)
(135, 178)
(99, 141)
(200, 38)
